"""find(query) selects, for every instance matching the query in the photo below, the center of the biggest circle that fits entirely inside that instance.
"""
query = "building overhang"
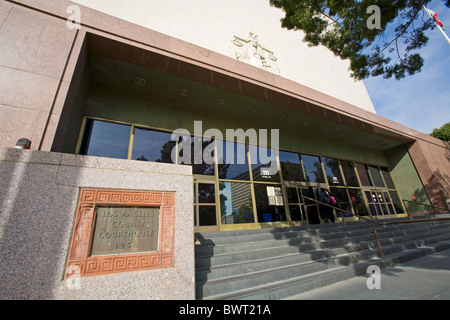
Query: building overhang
(299, 107)
(240, 90)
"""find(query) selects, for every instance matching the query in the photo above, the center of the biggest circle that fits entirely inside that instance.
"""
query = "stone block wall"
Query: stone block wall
(39, 193)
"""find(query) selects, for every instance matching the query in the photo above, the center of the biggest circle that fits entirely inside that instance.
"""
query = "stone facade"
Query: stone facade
(39, 195)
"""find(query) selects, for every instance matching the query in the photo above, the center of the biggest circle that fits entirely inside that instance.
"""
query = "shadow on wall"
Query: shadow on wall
(438, 188)
(34, 233)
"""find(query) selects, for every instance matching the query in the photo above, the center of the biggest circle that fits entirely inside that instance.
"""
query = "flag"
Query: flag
(433, 16)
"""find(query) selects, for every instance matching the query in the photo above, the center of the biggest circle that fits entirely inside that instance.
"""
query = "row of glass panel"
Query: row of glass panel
(109, 139)
(236, 204)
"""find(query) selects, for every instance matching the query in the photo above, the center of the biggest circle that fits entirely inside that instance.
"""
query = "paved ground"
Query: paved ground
(426, 278)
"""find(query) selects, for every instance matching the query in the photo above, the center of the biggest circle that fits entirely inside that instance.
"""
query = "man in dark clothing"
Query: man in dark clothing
(326, 211)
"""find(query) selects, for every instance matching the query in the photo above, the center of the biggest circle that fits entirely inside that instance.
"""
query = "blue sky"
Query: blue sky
(420, 101)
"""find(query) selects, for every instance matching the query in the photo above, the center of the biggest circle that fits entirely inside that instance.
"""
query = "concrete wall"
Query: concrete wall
(39, 192)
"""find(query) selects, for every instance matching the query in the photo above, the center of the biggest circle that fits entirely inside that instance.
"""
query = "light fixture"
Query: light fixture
(140, 82)
(184, 92)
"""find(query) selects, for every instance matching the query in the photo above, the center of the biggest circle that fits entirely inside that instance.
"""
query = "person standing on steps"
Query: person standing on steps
(325, 211)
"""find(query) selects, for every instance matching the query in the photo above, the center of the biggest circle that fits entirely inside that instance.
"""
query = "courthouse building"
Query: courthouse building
(115, 94)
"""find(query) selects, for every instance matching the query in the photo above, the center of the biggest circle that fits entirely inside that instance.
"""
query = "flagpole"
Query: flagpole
(445, 35)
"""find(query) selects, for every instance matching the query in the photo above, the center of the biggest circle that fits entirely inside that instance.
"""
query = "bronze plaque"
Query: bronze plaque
(121, 230)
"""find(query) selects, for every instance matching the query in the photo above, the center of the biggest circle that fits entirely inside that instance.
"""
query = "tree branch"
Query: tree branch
(403, 31)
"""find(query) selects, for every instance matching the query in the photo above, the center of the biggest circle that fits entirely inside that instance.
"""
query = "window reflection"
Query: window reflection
(106, 139)
(375, 175)
(387, 178)
(357, 199)
(340, 195)
(232, 161)
(313, 169)
(235, 202)
(332, 171)
(396, 202)
(349, 173)
(150, 145)
(264, 168)
(291, 166)
(206, 167)
(363, 175)
(206, 193)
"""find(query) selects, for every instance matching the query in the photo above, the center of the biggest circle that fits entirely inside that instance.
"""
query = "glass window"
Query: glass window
(236, 202)
(333, 171)
(232, 160)
(375, 175)
(340, 195)
(296, 212)
(204, 204)
(396, 202)
(387, 178)
(269, 203)
(362, 172)
(207, 153)
(206, 193)
(291, 166)
(387, 198)
(264, 168)
(154, 146)
(295, 207)
(313, 169)
(373, 201)
(207, 215)
(106, 139)
(349, 173)
(292, 195)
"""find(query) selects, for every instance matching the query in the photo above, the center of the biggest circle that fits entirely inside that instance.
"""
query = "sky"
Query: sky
(420, 101)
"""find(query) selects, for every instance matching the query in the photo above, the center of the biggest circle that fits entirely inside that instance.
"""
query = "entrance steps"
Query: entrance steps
(276, 263)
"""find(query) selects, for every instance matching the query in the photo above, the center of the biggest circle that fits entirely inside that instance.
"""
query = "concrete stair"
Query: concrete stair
(276, 263)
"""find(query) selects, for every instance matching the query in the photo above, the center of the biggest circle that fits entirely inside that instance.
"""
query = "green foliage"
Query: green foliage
(341, 26)
(442, 133)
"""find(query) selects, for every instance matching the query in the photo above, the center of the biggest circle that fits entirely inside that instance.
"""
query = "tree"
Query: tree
(442, 133)
(345, 27)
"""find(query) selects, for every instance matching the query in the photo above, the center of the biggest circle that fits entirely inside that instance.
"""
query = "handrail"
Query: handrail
(372, 222)
(426, 205)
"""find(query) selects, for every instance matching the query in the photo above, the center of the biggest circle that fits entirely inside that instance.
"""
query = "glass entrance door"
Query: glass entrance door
(379, 203)
(205, 208)
(311, 208)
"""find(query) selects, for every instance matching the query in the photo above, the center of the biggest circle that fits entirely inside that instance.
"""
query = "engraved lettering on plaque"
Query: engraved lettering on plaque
(120, 230)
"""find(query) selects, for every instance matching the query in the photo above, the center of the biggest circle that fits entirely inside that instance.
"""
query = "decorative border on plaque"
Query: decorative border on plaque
(80, 259)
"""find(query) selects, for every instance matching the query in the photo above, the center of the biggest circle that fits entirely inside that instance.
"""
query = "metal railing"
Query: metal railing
(374, 222)
(425, 205)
